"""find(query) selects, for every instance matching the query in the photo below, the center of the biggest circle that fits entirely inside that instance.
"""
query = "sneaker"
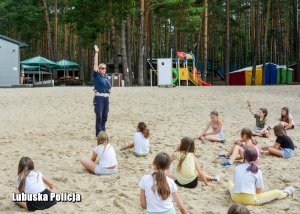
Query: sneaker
(223, 141)
(269, 128)
(289, 190)
(223, 156)
(265, 135)
(226, 164)
(217, 178)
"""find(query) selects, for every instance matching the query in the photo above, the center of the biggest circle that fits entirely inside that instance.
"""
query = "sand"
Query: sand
(55, 127)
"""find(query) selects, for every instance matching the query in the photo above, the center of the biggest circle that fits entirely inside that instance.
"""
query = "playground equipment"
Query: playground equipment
(164, 67)
(188, 70)
(185, 70)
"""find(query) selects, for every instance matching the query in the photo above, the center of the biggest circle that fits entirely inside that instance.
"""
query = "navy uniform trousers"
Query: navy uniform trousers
(101, 108)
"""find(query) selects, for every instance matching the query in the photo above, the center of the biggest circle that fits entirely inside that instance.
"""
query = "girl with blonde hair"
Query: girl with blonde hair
(187, 169)
(107, 157)
(217, 134)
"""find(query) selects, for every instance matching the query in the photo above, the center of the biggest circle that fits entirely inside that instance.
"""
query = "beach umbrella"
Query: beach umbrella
(40, 61)
(66, 64)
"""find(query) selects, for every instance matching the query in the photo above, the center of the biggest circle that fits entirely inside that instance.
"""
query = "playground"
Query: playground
(183, 73)
(61, 131)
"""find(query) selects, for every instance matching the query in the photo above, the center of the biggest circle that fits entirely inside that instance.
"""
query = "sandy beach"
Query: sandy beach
(55, 127)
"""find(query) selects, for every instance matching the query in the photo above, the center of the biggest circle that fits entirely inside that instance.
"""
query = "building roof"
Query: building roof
(21, 44)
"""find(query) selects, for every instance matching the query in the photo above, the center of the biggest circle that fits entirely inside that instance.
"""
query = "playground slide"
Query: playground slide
(199, 80)
(202, 82)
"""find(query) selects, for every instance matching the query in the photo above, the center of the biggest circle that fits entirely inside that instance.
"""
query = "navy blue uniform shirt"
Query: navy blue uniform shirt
(101, 83)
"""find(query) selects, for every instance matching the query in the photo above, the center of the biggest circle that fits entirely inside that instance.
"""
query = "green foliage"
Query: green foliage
(89, 18)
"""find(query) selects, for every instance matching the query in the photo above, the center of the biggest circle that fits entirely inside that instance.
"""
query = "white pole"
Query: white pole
(151, 76)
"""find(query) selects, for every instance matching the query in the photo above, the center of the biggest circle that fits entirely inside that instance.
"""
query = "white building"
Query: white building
(10, 61)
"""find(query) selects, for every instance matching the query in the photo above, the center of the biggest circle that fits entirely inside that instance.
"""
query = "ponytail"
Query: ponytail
(24, 168)
(142, 127)
(161, 184)
(252, 168)
(182, 158)
(250, 155)
(146, 133)
(23, 179)
(161, 162)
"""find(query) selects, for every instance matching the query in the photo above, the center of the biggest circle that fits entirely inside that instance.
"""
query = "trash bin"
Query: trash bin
(117, 77)
(289, 75)
(281, 75)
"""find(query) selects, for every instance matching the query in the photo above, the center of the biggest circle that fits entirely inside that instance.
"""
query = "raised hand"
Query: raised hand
(96, 48)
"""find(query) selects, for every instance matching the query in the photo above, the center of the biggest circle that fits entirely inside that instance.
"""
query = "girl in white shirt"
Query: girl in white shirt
(286, 119)
(248, 183)
(107, 157)
(157, 189)
(140, 141)
(31, 182)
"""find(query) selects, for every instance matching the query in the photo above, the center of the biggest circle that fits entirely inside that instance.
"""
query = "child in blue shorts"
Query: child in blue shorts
(283, 147)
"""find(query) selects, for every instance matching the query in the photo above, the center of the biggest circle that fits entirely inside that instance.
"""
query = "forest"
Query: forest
(224, 35)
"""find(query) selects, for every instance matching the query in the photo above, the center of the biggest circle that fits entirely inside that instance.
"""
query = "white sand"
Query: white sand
(55, 127)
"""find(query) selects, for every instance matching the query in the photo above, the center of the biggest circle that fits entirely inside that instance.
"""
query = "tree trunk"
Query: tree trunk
(255, 45)
(129, 48)
(66, 42)
(167, 38)
(200, 39)
(176, 37)
(205, 39)
(227, 57)
(49, 38)
(296, 39)
(127, 76)
(141, 47)
(55, 31)
(266, 39)
(82, 65)
(113, 38)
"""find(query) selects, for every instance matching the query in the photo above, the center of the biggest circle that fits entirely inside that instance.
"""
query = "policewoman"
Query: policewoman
(102, 90)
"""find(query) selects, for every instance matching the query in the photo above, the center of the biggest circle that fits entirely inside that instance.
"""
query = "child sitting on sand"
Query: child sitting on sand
(31, 181)
(157, 190)
(283, 146)
(217, 135)
(261, 118)
(286, 119)
(237, 151)
(107, 157)
(187, 170)
(140, 141)
(248, 183)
